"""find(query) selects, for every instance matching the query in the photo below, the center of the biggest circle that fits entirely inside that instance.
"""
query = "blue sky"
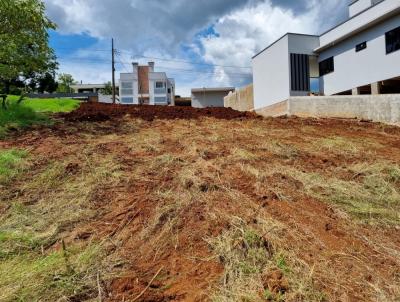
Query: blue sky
(204, 43)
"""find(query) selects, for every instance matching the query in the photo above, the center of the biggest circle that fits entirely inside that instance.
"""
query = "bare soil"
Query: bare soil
(186, 174)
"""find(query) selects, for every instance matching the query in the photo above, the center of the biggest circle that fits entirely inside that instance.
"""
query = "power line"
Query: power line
(158, 66)
(166, 60)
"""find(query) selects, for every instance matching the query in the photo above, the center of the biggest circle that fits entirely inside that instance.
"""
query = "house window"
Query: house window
(125, 100)
(361, 46)
(126, 88)
(300, 72)
(392, 40)
(160, 100)
(159, 84)
(326, 66)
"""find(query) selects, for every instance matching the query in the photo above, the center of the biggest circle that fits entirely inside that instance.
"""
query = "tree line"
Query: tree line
(27, 62)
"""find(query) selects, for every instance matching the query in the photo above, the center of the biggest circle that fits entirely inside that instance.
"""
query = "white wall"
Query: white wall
(360, 22)
(354, 69)
(302, 44)
(153, 78)
(359, 6)
(271, 77)
(133, 78)
(205, 99)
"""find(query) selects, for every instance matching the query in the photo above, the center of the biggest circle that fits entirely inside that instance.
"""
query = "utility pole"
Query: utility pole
(113, 70)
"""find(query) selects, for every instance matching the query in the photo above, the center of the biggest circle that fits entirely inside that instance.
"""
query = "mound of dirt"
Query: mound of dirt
(103, 112)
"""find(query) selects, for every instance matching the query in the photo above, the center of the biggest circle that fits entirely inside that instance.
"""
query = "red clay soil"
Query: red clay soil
(102, 112)
(348, 259)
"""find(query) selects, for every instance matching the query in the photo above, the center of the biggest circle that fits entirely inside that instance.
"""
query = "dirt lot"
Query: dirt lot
(168, 204)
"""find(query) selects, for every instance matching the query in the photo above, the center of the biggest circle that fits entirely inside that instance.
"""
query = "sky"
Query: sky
(201, 43)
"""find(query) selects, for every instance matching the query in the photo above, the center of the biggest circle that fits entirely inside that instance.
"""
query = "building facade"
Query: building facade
(358, 56)
(145, 86)
(210, 97)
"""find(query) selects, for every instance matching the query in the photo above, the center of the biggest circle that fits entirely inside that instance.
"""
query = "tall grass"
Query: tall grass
(19, 116)
(10, 164)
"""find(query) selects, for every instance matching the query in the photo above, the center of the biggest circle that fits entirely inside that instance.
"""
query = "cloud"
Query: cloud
(221, 32)
(243, 33)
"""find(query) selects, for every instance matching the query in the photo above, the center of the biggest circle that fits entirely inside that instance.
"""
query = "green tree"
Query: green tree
(65, 81)
(24, 42)
(107, 90)
(47, 83)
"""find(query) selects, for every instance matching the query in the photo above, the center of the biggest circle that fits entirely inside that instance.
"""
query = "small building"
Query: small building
(87, 88)
(210, 97)
(145, 86)
(358, 56)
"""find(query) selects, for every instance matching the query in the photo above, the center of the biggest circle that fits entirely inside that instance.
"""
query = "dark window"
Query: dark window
(326, 66)
(300, 72)
(361, 46)
(393, 40)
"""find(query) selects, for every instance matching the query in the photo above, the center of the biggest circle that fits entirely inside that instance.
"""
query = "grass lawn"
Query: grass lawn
(49, 105)
(31, 112)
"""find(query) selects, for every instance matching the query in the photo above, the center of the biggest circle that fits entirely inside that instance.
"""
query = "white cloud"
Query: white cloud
(159, 28)
(243, 33)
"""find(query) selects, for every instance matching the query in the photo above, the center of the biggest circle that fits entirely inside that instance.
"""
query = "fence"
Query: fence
(241, 100)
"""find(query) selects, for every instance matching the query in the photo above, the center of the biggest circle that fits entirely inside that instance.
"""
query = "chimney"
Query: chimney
(151, 66)
(135, 66)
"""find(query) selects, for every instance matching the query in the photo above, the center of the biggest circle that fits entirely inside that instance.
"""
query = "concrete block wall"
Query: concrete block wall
(379, 108)
(241, 100)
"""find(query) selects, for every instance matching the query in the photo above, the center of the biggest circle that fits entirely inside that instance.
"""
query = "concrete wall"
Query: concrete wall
(380, 108)
(241, 100)
(374, 15)
(354, 69)
(271, 77)
(358, 6)
(206, 99)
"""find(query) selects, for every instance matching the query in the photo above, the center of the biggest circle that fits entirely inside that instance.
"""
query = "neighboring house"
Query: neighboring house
(82, 88)
(210, 97)
(145, 86)
(358, 56)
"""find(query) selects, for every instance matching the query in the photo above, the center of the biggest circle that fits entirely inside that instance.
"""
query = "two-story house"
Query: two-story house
(145, 86)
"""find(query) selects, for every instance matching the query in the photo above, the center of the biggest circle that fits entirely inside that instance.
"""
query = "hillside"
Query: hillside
(169, 204)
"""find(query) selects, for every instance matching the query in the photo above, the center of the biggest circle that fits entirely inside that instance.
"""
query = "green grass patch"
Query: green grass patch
(11, 163)
(48, 105)
(69, 275)
(31, 112)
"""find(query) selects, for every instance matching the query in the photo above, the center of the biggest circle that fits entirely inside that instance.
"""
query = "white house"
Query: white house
(210, 97)
(358, 56)
(145, 86)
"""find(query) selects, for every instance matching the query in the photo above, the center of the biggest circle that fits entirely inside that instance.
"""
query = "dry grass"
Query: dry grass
(50, 203)
(257, 269)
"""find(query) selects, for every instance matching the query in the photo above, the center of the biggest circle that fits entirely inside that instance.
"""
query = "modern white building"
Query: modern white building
(210, 97)
(145, 86)
(358, 56)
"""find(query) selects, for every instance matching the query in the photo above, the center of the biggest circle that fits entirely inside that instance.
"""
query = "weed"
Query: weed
(11, 163)
(19, 116)
(251, 265)
(374, 198)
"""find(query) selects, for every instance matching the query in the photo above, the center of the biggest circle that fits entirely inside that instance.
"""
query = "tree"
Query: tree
(24, 42)
(65, 81)
(47, 83)
(107, 90)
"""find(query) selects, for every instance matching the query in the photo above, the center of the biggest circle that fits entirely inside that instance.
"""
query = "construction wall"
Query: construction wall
(241, 100)
(380, 108)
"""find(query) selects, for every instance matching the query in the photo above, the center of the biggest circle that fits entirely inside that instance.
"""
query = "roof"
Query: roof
(287, 34)
(89, 86)
(217, 89)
